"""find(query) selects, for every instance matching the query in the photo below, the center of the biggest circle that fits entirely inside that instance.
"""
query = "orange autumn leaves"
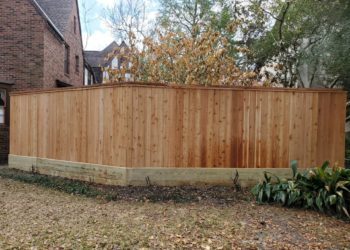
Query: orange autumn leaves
(179, 58)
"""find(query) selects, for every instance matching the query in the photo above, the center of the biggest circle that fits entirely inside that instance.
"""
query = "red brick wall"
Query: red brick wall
(54, 55)
(21, 44)
(54, 60)
(30, 54)
(76, 47)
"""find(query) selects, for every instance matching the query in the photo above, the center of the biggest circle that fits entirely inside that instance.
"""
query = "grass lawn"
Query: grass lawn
(32, 216)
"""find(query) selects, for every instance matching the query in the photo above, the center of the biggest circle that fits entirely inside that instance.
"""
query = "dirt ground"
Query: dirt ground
(33, 217)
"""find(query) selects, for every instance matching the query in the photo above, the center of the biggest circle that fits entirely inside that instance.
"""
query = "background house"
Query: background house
(98, 60)
(40, 47)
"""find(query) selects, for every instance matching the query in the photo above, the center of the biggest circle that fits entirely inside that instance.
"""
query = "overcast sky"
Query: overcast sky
(101, 35)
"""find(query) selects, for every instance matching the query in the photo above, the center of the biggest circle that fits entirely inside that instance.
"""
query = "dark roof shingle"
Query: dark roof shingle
(100, 58)
(58, 11)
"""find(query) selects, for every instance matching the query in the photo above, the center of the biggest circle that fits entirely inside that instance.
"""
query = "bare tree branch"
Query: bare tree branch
(270, 14)
(87, 18)
(333, 84)
(282, 19)
(127, 17)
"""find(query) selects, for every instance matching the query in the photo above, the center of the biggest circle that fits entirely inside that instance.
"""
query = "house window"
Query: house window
(115, 63)
(2, 105)
(75, 25)
(76, 64)
(66, 59)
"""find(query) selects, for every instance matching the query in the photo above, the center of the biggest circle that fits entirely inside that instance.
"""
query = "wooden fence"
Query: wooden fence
(158, 126)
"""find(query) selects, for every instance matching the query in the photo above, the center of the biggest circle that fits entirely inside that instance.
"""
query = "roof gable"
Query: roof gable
(58, 12)
(47, 18)
(100, 58)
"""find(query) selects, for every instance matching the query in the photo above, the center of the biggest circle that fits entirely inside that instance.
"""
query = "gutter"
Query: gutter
(48, 20)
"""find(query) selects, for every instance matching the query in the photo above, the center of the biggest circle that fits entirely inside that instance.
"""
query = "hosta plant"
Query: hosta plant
(325, 188)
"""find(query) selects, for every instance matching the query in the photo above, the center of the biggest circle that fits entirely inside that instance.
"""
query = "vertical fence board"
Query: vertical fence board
(209, 145)
(185, 128)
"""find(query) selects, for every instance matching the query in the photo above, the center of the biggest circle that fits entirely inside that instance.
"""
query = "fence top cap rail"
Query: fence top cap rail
(174, 86)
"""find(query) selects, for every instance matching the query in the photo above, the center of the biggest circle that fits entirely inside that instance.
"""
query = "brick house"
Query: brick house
(98, 59)
(40, 47)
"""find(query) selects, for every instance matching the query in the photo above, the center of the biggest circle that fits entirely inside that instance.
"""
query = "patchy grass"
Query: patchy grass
(32, 216)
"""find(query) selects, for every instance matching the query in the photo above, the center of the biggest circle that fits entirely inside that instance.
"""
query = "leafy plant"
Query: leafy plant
(325, 189)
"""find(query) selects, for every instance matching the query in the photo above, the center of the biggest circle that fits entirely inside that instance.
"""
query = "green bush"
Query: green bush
(325, 189)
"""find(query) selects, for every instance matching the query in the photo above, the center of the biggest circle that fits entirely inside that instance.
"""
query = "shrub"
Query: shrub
(177, 58)
(325, 189)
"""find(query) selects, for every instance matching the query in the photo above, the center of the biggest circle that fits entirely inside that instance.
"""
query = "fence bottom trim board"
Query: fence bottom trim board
(123, 176)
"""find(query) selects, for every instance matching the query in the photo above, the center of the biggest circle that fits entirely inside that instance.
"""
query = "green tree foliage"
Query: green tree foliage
(195, 17)
(309, 33)
(188, 16)
(337, 47)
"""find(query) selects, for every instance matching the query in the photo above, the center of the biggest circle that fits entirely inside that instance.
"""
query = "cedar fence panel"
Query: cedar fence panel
(158, 126)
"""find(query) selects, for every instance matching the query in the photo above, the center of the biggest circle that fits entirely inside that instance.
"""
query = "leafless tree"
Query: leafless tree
(127, 18)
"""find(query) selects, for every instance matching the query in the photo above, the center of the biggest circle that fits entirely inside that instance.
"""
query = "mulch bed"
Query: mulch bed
(150, 193)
